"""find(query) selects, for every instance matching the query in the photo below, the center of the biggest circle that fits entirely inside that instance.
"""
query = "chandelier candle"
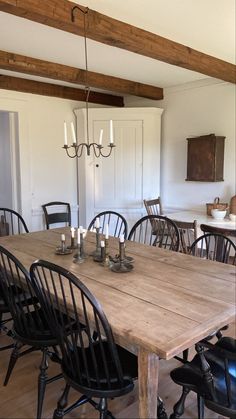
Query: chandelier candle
(65, 135)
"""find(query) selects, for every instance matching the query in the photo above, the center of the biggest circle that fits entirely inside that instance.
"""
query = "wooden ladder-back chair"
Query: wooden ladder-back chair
(153, 206)
(188, 234)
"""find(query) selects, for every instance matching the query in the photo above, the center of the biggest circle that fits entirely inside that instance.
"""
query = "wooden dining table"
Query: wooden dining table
(166, 304)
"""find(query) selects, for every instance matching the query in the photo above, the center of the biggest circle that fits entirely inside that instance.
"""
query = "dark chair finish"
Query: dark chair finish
(219, 230)
(153, 206)
(91, 361)
(30, 325)
(156, 230)
(11, 222)
(212, 376)
(215, 247)
(58, 217)
(188, 234)
(116, 222)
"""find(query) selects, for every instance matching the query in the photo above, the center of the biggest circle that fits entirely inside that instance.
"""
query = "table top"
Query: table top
(202, 218)
(167, 303)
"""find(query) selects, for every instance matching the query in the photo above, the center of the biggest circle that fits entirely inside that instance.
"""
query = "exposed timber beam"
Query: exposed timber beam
(64, 92)
(33, 66)
(113, 32)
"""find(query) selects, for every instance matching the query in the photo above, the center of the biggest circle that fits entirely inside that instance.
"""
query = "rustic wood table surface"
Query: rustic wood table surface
(168, 302)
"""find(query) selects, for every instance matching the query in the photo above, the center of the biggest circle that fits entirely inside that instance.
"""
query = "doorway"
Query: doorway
(9, 161)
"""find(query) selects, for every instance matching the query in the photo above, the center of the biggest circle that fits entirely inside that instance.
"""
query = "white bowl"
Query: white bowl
(218, 214)
(232, 217)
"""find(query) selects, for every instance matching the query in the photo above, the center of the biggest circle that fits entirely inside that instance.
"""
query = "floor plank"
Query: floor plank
(18, 399)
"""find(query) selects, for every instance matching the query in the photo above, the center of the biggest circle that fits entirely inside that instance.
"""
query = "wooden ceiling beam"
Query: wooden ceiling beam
(55, 90)
(113, 32)
(33, 66)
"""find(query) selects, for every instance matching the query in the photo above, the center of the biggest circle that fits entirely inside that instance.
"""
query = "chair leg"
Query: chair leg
(62, 403)
(179, 406)
(161, 413)
(42, 378)
(103, 408)
(185, 355)
(200, 407)
(14, 356)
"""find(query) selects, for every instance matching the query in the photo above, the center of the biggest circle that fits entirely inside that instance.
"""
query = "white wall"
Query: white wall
(194, 109)
(47, 174)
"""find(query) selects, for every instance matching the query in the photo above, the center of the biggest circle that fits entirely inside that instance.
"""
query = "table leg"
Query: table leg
(148, 369)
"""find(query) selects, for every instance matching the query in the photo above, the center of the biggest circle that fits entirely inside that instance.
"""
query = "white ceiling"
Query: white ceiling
(205, 25)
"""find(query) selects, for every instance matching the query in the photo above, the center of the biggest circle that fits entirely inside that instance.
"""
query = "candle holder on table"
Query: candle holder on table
(73, 244)
(97, 253)
(122, 265)
(62, 249)
(105, 257)
(80, 256)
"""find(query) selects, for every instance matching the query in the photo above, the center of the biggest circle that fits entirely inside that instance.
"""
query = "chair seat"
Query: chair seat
(190, 375)
(78, 378)
(19, 296)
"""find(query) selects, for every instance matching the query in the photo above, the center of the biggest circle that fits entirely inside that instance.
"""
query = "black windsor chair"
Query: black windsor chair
(11, 222)
(156, 230)
(95, 367)
(215, 246)
(53, 215)
(212, 376)
(30, 325)
(116, 222)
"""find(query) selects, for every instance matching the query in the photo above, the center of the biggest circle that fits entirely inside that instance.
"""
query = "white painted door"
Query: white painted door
(132, 172)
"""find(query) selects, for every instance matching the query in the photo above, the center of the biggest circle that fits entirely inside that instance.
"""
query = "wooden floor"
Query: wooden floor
(18, 399)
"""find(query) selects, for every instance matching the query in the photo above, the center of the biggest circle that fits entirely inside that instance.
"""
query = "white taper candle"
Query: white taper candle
(106, 231)
(73, 133)
(111, 132)
(100, 137)
(65, 134)
(122, 238)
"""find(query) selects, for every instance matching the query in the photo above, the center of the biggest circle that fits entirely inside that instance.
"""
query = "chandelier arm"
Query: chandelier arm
(107, 155)
(67, 151)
